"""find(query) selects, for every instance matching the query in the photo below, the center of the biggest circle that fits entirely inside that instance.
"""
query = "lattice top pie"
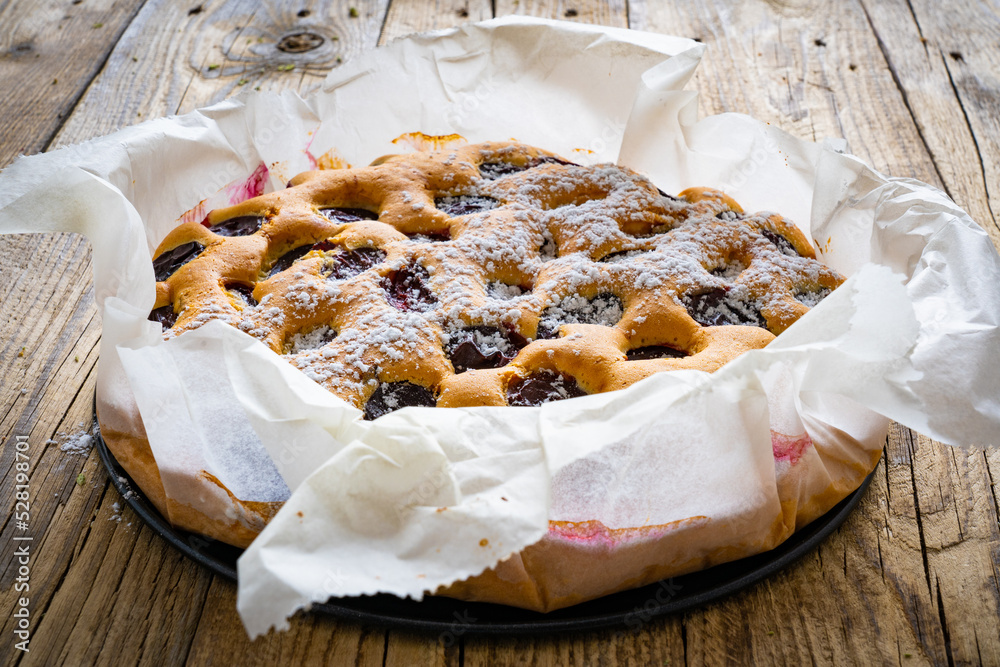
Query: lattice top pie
(489, 274)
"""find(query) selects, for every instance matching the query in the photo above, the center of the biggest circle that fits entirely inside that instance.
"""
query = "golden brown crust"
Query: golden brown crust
(244, 521)
(576, 562)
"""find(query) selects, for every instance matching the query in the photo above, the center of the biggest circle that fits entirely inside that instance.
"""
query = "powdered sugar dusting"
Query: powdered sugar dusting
(604, 309)
(522, 246)
(77, 444)
(311, 340)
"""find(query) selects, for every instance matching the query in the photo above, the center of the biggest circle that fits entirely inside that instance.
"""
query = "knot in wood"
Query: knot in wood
(300, 42)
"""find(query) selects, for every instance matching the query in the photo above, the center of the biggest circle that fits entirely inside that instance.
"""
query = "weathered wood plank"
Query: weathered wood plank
(408, 648)
(654, 642)
(612, 12)
(812, 68)
(405, 18)
(958, 520)
(312, 639)
(49, 53)
(48, 355)
(118, 594)
(173, 59)
(945, 65)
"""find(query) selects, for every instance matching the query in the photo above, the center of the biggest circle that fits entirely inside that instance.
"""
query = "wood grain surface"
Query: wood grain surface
(912, 578)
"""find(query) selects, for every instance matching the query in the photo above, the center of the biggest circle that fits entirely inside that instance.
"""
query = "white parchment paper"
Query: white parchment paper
(422, 497)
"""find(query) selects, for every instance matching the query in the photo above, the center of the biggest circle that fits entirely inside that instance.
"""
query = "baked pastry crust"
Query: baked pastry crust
(493, 274)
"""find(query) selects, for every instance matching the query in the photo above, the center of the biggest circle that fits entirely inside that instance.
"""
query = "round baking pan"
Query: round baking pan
(626, 611)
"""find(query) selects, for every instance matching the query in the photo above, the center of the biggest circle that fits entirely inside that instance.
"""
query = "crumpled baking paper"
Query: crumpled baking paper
(424, 497)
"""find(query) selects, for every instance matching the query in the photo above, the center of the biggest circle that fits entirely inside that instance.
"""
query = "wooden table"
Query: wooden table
(913, 577)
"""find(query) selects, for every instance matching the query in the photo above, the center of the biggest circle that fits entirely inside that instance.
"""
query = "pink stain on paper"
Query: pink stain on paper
(250, 188)
(328, 160)
(596, 533)
(196, 214)
(787, 448)
(234, 193)
(313, 164)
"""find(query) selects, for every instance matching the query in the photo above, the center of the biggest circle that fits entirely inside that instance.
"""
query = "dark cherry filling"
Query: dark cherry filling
(728, 216)
(543, 387)
(670, 197)
(483, 347)
(391, 396)
(605, 309)
(655, 352)
(465, 204)
(349, 263)
(341, 265)
(323, 246)
(538, 161)
(165, 315)
(289, 258)
(165, 265)
(244, 292)
(494, 170)
(491, 171)
(784, 245)
(717, 307)
(346, 215)
(436, 236)
(244, 225)
(406, 289)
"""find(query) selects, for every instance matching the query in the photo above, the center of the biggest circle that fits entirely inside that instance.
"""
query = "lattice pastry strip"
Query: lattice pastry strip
(490, 274)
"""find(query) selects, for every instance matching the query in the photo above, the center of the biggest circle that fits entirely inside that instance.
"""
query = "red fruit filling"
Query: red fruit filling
(483, 347)
(392, 396)
(718, 307)
(543, 387)
(406, 288)
(166, 264)
(244, 225)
